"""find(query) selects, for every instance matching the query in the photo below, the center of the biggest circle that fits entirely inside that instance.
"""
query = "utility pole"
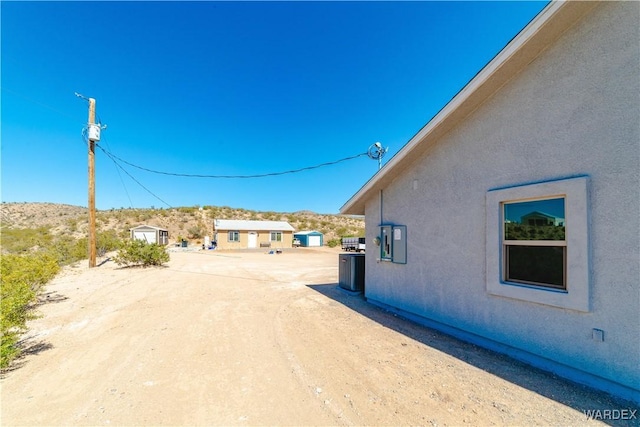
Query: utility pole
(92, 180)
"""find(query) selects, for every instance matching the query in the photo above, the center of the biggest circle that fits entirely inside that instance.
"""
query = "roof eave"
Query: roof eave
(543, 30)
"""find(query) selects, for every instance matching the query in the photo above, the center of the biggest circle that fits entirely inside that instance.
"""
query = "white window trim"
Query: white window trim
(229, 239)
(540, 243)
(574, 190)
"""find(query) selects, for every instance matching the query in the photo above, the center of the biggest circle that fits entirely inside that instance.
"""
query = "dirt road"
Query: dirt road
(247, 338)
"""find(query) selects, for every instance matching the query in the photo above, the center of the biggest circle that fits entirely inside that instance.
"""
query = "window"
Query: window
(234, 236)
(534, 246)
(276, 236)
(537, 243)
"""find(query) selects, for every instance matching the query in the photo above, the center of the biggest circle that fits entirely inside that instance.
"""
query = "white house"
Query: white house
(551, 124)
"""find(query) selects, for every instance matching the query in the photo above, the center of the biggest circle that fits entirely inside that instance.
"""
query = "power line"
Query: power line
(234, 176)
(131, 176)
(41, 104)
(118, 171)
(113, 158)
(118, 168)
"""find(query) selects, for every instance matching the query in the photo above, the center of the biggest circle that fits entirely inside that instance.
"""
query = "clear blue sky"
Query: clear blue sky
(230, 88)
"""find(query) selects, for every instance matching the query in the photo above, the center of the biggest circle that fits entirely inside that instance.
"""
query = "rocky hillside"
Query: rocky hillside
(186, 222)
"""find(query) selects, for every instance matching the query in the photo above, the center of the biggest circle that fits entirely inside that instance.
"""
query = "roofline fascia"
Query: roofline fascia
(355, 205)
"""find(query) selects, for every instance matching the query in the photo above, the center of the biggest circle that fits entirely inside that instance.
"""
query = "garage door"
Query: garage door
(147, 236)
(314, 240)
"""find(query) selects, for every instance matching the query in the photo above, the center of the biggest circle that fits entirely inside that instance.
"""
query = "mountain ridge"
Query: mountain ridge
(191, 222)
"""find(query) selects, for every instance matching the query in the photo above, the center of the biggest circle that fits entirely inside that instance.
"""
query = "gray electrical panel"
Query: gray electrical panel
(393, 243)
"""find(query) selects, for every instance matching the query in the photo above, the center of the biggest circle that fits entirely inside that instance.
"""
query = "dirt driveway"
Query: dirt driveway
(247, 338)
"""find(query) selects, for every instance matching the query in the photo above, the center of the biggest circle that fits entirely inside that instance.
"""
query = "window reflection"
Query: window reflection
(535, 220)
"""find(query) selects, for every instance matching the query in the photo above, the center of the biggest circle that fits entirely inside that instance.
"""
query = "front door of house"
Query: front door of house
(252, 240)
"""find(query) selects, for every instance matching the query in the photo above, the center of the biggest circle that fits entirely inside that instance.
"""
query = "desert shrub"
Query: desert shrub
(214, 212)
(138, 252)
(21, 280)
(72, 224)
(342, 231)
(188, 210)
(108, 240)
(334, 242)
(195, 232)
(16, 240)
(67, 250)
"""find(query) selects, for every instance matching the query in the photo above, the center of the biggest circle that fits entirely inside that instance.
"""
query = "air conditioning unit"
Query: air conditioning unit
(351, 272)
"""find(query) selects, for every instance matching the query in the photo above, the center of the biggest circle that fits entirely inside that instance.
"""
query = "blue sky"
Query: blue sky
(229, 88)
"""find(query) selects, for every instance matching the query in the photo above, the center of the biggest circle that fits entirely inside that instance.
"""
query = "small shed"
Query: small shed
(150, 234)
(309, 238)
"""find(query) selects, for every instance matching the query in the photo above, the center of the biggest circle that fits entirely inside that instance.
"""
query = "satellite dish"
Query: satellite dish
(377, 152)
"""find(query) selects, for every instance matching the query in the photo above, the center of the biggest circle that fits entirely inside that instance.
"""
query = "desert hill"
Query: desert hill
(184, 222)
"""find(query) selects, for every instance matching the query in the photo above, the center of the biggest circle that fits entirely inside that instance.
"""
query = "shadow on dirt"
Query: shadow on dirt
(28, 347)
(141, 267)
(51, 297)
(568, 393)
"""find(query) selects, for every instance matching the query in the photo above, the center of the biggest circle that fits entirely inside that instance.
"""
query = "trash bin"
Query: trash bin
(184, 243)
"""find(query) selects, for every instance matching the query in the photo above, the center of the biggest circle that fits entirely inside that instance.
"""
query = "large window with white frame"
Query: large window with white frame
(233, 236)
(537, 243)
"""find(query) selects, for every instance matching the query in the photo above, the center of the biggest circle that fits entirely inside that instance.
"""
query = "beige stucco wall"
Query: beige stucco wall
(574, 111)
(263, 237)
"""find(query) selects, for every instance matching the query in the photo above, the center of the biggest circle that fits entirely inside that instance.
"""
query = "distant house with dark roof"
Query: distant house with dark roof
(541, 218)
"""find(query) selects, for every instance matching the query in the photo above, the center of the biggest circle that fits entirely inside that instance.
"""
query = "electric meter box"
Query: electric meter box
(94, 132)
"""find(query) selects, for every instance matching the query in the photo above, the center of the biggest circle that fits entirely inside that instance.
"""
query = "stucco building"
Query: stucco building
(550, 125)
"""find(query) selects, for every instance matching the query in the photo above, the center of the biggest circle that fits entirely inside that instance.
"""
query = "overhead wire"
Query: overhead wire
(120, 176)
(131, 176)
(263, 175)
(41, 104)
(118, 168)
(115, 158)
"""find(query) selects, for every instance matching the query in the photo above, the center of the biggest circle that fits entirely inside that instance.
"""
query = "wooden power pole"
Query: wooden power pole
(92, 182)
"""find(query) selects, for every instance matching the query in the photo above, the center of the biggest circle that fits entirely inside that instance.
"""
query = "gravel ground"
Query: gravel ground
(248, 338)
